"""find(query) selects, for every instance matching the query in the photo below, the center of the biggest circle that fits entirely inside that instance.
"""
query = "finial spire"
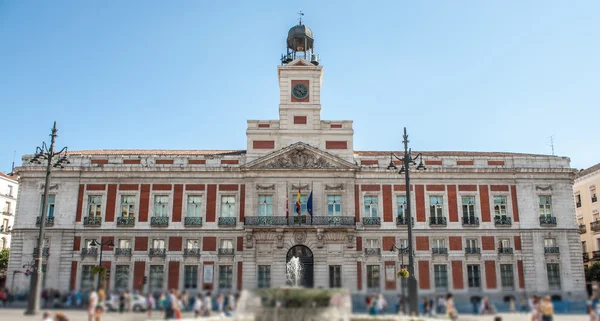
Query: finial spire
(300, 14)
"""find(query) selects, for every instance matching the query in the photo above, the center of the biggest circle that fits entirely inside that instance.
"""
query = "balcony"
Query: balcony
(92, 221)
(586, 257)
(89, 251)
(547, 221)
(582, 229)
(578, 204)
(551, 250)
(157, 252)
(595, 255)
(299, 220)
(437, 221)
(45, 251)
(191, 252)
(126, 221)
(227, 221)
(472, 250)
(8, 213)
(372, 251)
(122, 252)
(595, 226)
(403, 221)
(371, 221)
(502, 221)
(439, 250)
(225, 252)
(192, 221)
(505, 250)
(49, 221)
(594, 199)
(159, 221)
(4, 229)
(470, 221)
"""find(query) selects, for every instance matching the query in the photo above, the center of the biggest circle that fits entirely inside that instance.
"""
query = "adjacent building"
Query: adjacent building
(485, 223)
(9, 188)
(587, 207)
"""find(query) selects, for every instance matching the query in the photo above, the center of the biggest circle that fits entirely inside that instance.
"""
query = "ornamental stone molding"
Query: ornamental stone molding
(55, 186)
(298, 159)
(249, 240)
(270, 187)
(300, 237)
(337, 187)
(280, 240)
(320, 239)
(543, 188)
(300, 187)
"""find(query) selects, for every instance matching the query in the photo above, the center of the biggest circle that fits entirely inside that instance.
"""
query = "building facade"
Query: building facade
(9, 189)
(225, 220)
(587, 207)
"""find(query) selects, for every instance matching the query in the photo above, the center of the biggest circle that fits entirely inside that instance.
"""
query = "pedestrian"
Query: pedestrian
(100, 305)
(547, 309)
(231, 301)
(207, 305)
(373, 305)
(178, 305)
(485, 306)
(170, 299)
(122, 302)
(59, 316)
(221, 304)
(149, 304)
(92, 302)
(128, 297)
(451, 312)
(524, 304)
(426, 306)
(474, 302)
(47, 317)
(381, 304)
(441, 305)
(198, 306)
(534, 307)
(511, 305)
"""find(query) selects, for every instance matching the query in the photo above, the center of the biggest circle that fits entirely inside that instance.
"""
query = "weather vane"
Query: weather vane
(300, 19)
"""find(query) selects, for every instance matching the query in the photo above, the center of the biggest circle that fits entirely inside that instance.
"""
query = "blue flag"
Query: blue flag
(309, 204)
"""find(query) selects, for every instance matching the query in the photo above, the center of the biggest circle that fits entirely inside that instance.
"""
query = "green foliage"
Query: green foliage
(4, 259)
(593, 273)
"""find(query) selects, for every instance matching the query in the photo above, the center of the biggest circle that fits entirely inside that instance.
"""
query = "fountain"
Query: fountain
(293, 272)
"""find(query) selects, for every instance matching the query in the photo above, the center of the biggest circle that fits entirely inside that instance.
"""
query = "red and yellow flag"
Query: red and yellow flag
(298, 208)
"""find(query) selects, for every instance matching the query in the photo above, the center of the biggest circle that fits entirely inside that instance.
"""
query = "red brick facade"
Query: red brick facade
(387, 204)
(484, 198)
(424, 279)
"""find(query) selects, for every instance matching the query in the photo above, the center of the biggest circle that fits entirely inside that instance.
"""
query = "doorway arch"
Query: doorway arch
(305, 256)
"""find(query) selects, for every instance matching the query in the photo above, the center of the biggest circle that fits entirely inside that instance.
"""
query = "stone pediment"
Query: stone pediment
(300, 156)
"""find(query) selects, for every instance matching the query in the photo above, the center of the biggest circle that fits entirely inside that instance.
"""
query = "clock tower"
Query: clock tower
(300, 77)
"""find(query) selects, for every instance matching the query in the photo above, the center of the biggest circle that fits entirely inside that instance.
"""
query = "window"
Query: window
(439, 243)
(436, 204)
(500, 206)
(545, 205)
(371, 206)
(504, 243)
(265, 205)
(3, 243)
(190, 277)
(549, 242)
(10, 190)
(194, 206)
(7, 207)
(94, 206)
(583, 247)
(335, 276)
(472, 243)
(372, 243)
(593, 193)
(122, 278)
(403, 243)
(5, 224)
(225, 276)
(468, 206)
(264, 276)
(596, 216)
(578, 200)
(192, 244)
(474, 276)
(334, 205)
(161, 205)
(580, 221)
(401, 205)
(506, 276)
(373, 277)
(156, 278)
(127, 206)
(441, 276)
(124, 244)
(158, 244)
(227, 206)
(303, 209)
(49, 206)
(553, 276)
(87, 278)
(227, 244)
(88, 243)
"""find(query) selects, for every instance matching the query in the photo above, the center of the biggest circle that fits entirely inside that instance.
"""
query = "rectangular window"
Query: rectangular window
(335, 276)
(500, 206)
(122, 278)
(403, 243)
(401, 205)
(474, 276)
(593, 194)
(161, 206)
(373, 277)
(190, 277)
(504, 243)
(372, 243)
(227, 244)
(194, 206)
(7, 207)
(583, 247)
(158, 244)
(334, 205)
(225, 276)
(472, 243)
(371, 206)
(87, 278)
(156, 278)
(441, 276)
(436, 205)
(124, 244)
(227, 206)
(265, 205)
(578, 200)
(49, 206)
(5, 224)
(439, 243)
(507, 276)
(192, 244)
(127, 206)
(468, 206)
(264, 276)
(545, 205)
(549, 242)
(94, 206)
(10, 191)
(553, 276)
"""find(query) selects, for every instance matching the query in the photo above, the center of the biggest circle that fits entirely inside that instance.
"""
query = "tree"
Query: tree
(592, 273)
(4, 261)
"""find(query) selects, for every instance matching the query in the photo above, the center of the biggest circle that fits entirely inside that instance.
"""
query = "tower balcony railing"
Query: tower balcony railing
(227, 221)
(372, 251)
(551, 250)
(157, 252)
(49, 221)
(92, 221)
(159, 221)
(191, 252)
(582, 229)
(472, 250)
(437, 221)
(371, 221)
(505, 250)
(123, 252)
(502, 221)
(7, 213)
(470, 221)
(192, 221)
(299, 221)
(126, 221)
(89, 251)
(224, 251)
(439, 250)
(586, 257)
(595, 226)
(547, 220)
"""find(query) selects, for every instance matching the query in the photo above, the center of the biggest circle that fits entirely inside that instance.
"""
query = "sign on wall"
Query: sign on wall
(390, 274)
(208, 273)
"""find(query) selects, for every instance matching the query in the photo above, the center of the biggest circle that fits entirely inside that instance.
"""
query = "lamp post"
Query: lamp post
(401, 251)
(108, 243)
(43, 153)
(407, 161)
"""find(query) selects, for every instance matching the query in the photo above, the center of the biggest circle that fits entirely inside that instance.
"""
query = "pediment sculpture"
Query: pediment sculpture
(298, 158)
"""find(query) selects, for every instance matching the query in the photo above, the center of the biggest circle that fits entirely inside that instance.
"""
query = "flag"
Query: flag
(298, 208)
(309, 206)
(287, 205)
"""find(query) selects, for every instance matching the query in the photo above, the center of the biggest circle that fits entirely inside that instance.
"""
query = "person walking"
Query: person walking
(381, 304)
(534, 307)
(198, 306)
(92, 302)
(122, 302)
(149, 304)
(221, 304)
(100, 305)
(207, 306)
(547, 309)
(450, 308)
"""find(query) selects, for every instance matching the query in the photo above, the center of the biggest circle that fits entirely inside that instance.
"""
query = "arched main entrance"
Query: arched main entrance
(305, 258)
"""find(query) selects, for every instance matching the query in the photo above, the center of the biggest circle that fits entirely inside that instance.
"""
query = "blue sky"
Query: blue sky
(461, 75)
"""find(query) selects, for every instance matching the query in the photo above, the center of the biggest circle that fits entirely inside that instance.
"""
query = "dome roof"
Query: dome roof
(299, 31)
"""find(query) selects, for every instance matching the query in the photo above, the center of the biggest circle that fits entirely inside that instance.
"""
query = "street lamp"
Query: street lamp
(94, 243)
(47, 154)
(401, 251)
(407, 161)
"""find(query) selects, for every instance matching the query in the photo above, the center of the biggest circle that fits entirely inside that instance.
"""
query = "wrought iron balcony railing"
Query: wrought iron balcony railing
(123, 251)
(596, 255)
(159, 221)
(472, 250)
(551, 250)
(49, 221)
(227, 221)
(578, 204)
(403, 221)
(437, 221)
(371, 221)
(594, 199)
(5, 229)
(502, 221)
(505, 250)
(582, 229)
(299, 220)
(586, 257)
(192, 221)
(372, 251)
(191, 252)
(226, 252)
(439, 250)
(92, 221)
(89, 251)
(470, 221)
(157, 252)
(8, 213)
(126, 221)
(595, 226)
(45, 251)
(547, 220)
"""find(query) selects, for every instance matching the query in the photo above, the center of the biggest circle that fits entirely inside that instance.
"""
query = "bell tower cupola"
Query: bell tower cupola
(300, 43)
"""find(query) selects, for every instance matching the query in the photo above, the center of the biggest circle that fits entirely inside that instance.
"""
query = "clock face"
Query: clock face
(300, 91)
